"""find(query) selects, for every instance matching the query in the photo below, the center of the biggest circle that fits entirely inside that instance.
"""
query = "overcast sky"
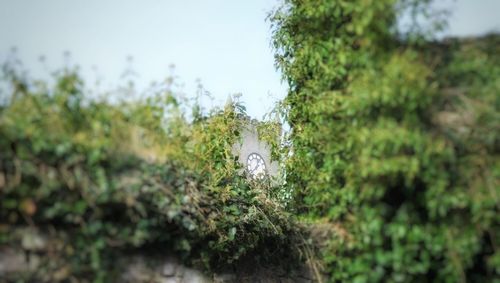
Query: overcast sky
(225, 43)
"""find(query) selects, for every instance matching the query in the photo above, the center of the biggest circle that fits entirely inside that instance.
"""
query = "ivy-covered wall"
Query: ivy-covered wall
(82, 171)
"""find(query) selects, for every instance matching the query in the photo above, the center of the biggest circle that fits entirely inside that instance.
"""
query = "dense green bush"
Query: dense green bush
(392, 160)
(395, 142)
(109, 178)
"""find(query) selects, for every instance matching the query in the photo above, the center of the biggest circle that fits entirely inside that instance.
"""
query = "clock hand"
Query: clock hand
(255, 167)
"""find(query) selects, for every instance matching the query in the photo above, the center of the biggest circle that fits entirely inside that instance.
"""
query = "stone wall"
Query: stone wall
(25, 261)
(171, 270)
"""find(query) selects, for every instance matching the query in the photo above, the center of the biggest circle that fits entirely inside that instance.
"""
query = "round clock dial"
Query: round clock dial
(256, 166)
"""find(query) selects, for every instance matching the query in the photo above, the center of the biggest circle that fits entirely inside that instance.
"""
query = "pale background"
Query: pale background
(225, 43)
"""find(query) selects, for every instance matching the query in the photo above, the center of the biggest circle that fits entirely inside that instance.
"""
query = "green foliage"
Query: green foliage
(392, 160)
(394, 143)
(107, 178)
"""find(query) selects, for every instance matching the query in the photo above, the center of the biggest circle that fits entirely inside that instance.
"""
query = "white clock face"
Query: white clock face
(256, 166)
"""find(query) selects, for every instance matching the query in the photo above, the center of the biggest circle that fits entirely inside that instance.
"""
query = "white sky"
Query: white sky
(225, 43)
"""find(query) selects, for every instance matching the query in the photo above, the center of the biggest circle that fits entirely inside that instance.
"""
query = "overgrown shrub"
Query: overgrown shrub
(395, 142)
(110, 178)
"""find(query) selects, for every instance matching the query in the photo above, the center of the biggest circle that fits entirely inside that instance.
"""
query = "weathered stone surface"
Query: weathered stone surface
(169, 268)
(12, 261)
(225, 278)
(194, 276)
(33, 241)
(170, 280)
(137, 271)
(139, 268)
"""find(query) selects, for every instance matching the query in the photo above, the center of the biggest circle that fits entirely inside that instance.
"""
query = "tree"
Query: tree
(394, 140)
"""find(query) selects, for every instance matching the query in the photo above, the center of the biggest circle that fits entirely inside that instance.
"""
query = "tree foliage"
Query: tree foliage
(395, 142)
